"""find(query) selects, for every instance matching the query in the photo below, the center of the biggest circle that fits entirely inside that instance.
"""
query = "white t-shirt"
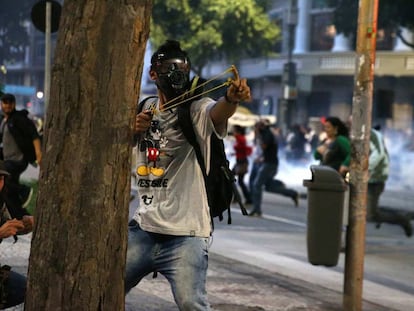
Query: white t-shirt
(172, 194)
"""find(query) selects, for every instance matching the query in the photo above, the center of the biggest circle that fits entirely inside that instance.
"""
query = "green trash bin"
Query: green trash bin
(326, 194)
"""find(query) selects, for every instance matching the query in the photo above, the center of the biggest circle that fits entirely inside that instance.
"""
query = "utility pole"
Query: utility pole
(48, 30)
(45, 17)
(360, 135)
(287, 101)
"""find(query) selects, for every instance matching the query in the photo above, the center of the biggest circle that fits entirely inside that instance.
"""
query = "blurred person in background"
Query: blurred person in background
(265, 167)
(12, 284)
(242, 151)
(378, 170)
(295, 144)
(21, 145)
(335, 150)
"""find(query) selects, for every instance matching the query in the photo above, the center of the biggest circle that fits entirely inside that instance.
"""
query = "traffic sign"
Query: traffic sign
(38, 15)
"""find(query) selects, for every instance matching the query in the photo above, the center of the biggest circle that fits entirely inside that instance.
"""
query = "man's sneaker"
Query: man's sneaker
(248, 204)
(255, 214)
(27, 197)
(406, 225)
(295, 199)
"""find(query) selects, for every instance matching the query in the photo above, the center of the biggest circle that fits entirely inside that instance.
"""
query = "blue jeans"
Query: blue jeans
(277, 186)
(183, 260)
(262, 174)
(16, 289)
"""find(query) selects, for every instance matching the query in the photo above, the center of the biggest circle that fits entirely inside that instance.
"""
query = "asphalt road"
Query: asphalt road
(277, 242)
(272, 253)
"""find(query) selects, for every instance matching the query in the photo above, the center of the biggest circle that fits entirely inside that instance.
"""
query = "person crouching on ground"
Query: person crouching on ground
(12, 284)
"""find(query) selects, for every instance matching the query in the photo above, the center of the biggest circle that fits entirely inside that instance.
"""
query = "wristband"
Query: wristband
(229, 101)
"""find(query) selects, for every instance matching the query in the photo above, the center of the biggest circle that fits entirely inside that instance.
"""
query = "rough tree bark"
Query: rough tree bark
(78, 249)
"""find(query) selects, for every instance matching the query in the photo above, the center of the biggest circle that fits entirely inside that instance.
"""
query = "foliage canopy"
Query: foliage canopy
(212, 29)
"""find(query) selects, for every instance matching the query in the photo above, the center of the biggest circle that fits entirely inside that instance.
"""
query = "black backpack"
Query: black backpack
(220, 182)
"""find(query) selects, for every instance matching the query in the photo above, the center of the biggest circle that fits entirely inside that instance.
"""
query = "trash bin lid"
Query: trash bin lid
(325, 178)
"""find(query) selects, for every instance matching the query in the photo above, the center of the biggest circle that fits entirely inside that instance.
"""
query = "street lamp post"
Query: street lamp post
(48, 30)
(289, 91)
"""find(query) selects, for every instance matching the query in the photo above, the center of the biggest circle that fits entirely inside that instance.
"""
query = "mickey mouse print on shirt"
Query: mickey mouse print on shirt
(151, 144)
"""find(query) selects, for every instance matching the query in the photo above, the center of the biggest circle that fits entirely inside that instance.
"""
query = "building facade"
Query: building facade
(325, 68)
(25, 76)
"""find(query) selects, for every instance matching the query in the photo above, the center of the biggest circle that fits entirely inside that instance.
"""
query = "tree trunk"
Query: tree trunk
(78, 249)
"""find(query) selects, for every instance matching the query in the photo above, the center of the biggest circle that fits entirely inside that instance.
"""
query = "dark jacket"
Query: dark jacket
(270, 151)
(24, 132)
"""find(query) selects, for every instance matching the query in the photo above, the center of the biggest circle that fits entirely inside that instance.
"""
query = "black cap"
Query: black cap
(3, 169)
(8, 98)
(169, 50)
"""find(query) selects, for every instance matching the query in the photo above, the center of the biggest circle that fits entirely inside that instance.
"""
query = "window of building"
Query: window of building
(277, 19)
(385, 39)
(267, 106)
(322, 31)
(39, 53)
(320, 4)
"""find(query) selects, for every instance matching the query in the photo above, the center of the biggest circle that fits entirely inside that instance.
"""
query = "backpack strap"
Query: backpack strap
(188, 130)
(185, 122)
(186, 125)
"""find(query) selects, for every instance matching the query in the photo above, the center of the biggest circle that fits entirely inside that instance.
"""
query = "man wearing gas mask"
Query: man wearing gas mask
(171, 228)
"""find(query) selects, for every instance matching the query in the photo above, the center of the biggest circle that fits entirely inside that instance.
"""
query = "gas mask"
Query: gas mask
(173, 77)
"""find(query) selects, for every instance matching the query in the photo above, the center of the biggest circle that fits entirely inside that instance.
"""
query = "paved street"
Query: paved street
(261, 264)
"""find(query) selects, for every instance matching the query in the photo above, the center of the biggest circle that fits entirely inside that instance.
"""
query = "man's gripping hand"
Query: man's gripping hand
(11, 228)
(238, 91)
